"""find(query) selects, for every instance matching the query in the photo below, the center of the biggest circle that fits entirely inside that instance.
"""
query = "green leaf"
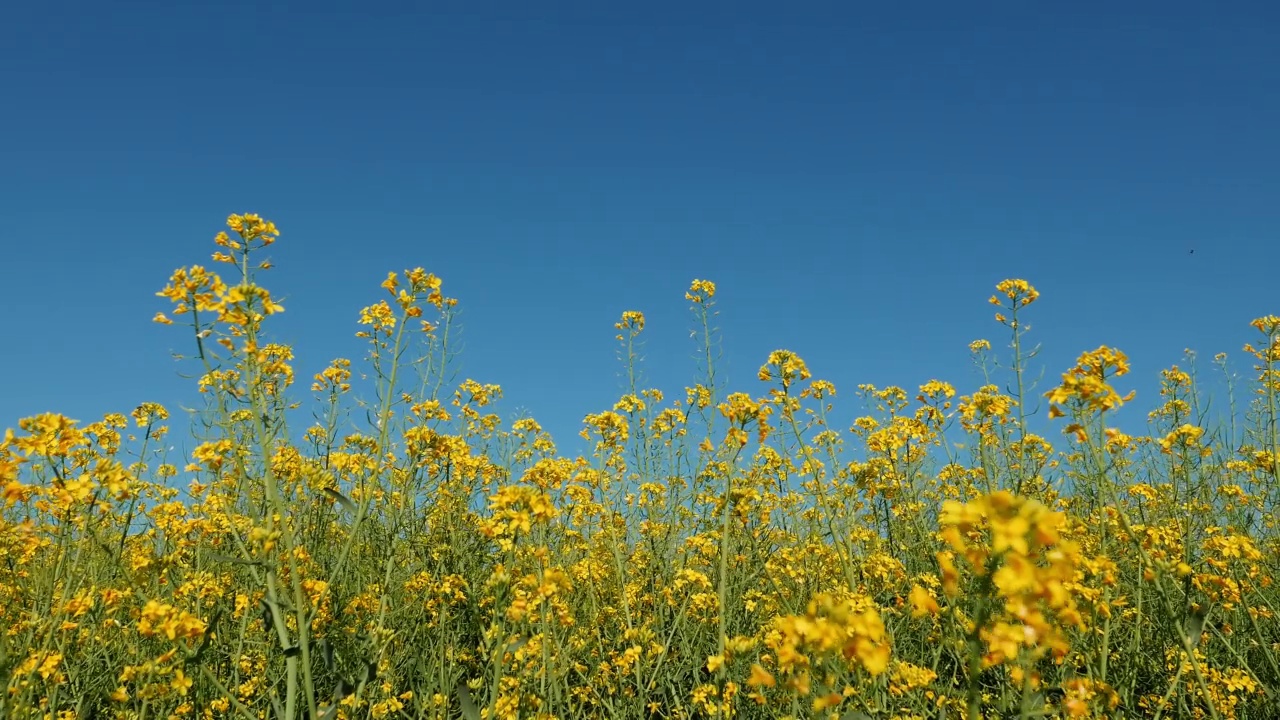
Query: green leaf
(1195, 625)
(194, 658)
(342, 500)
(326, 652)
(469, 709)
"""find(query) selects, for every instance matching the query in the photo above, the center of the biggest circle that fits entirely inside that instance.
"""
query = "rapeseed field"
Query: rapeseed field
(723, 553)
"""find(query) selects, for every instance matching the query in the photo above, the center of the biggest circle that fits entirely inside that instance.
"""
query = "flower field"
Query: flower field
(392, 548)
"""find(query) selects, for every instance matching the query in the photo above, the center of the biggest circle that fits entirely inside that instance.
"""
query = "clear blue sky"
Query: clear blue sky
(855, 177)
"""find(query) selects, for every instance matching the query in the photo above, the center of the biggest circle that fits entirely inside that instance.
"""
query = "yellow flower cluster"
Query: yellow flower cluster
(1013, 546)
(516, 508)
(836, 633)
(1086, 389)
(162, 619)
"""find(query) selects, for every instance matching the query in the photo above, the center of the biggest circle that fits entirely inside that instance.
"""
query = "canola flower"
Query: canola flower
(405, 551)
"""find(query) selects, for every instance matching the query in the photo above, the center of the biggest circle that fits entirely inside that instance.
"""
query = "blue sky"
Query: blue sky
(856, 177)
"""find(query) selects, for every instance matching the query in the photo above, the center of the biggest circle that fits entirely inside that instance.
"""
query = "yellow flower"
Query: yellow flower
(1010, 534)
(49, 665)
(760, 677)
(785, 367)
(922, 602)
(700, 291)
(180, 682)
(1018, 292)
(949, 574)
(632, 320)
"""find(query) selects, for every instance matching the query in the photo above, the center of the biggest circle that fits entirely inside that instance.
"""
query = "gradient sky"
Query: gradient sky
(856, 177)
